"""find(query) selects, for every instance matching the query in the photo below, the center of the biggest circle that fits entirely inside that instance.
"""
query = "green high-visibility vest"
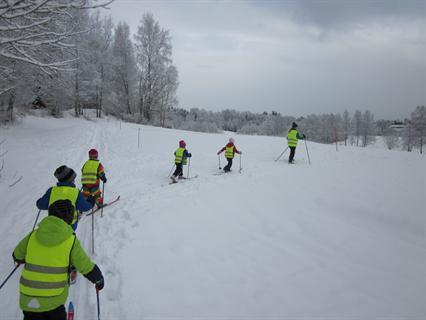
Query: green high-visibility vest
(89, 172)
(292, 138)
(229, 152)
(65, 193)
(179, 156)
(45, 273)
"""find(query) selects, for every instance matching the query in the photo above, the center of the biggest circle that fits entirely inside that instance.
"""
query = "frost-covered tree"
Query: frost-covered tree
(123, 71)
(100, 41)
(346, 126)
(418, 122)
(408, 136)
(36, 39)
(30, 29)
(356, 127)
(158, 78)
(390, 138)
(368, 129)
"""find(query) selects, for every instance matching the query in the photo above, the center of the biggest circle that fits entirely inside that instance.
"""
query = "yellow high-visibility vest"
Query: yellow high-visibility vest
(89, 172)
(229, 152)
(65, 193)
(292, 138)
(179, 156)
(45, 273)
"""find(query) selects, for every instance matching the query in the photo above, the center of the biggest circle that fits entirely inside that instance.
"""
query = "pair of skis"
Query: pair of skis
(105, 205)
(183, 179)
(225, 172)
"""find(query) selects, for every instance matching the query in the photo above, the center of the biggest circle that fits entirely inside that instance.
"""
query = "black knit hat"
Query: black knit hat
(62, 209)
(294, 125)
(65, 174)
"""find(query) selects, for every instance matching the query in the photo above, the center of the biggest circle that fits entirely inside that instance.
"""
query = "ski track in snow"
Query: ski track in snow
(342, 238)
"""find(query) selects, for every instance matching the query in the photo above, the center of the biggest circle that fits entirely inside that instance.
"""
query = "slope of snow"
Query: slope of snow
(344, 237)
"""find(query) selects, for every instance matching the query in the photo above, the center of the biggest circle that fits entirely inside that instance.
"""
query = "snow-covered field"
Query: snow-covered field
(342, 238)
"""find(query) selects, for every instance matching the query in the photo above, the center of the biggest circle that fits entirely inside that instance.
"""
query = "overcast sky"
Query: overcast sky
(295, 57)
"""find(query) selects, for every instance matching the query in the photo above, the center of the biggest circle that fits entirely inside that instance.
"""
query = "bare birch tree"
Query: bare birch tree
(367, 128)
(346, 125)
(418, 121)
(356, 126)
(157, 76)
(124, 67)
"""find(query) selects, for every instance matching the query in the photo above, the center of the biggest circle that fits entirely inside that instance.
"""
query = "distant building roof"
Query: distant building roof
(397, 126)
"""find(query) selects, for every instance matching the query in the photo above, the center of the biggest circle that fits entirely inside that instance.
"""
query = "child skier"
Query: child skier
(181, 156)
(91, 174)
(66, 189)
(47, 254)
(293, 137)
(230, 150)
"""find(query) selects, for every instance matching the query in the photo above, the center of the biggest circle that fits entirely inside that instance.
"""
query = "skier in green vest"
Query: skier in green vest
(47, 254)
(181, 156)
(230, 150)
(292, 138)
(91, 174)
(66, 189)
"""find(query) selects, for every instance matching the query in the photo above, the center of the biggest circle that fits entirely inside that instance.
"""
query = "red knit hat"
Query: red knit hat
(182, 144)
(93, 154)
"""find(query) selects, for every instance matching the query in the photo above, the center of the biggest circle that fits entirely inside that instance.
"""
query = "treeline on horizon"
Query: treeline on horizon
(358, 129)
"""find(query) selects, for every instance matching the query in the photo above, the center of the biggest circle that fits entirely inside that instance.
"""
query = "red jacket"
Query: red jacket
(230, 144)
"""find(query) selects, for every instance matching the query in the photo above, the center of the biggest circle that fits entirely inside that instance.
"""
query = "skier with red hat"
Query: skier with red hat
(181, 158)
(230, 150)
(91, 174)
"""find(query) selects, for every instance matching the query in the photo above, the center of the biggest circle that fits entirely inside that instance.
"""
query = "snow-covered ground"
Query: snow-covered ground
(342, 238)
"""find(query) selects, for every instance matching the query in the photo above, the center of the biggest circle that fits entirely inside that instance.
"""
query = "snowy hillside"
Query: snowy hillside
(342, 238)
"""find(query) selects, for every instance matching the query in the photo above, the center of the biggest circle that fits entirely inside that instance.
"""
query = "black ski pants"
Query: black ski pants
(57, 314)
(227, 168)
(179, 170)
(292, 153)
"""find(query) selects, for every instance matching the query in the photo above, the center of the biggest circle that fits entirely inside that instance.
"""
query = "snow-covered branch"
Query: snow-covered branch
(31, 29)
(2, 92)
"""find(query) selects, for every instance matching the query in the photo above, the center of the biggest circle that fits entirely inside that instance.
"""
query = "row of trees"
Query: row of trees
(358, 129)
(409, 134)
(327, 128)
(59, 55)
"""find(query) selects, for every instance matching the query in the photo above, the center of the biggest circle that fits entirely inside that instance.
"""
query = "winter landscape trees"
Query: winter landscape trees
(35, 41)
(60, 55)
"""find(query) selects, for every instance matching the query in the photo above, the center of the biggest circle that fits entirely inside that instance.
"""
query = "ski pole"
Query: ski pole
(35, 222)
(103, 195)
(218, 156)
(282, 153)
(93, 232)
(307, 152)
(10, 274)
(189, 164)
(171, 171)
(240, 163)
(99, 306)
